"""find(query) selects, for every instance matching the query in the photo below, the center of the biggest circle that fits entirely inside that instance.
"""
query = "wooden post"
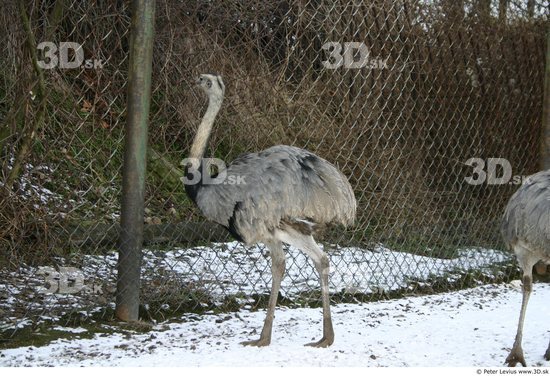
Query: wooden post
(135, 156)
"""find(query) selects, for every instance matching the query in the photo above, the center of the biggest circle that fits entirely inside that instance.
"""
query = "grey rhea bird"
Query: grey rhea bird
(526, 230)
(284, 195)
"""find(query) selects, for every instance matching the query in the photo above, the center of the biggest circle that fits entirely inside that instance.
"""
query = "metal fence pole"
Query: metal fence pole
(135, 152)
(545, 142)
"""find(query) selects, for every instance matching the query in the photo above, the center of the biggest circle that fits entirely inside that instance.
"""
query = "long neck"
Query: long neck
(198, 147)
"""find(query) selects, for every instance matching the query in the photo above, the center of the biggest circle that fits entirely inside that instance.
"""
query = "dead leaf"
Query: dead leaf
(86, 106)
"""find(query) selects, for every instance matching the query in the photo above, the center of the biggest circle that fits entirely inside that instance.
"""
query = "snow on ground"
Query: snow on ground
(474, 327)
(242, 269)
(229, 269)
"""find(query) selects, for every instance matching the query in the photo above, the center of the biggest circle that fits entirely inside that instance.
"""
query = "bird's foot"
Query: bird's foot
(261, 342)
(515, 357)
(323, 342)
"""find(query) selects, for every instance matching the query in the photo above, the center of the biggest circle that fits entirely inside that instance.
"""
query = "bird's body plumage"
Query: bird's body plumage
(527, 215)
(280, 186)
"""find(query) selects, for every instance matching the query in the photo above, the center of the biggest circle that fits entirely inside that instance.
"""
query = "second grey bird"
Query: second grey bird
(279, 195)
(526, 230)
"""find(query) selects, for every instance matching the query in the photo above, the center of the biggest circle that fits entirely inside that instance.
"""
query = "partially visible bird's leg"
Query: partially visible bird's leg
(307, 244)
(277, 271)
(526, 264)
(516, 354)
(322, 265)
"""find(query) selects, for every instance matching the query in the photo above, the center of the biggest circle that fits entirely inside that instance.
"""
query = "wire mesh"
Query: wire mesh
(399, 95)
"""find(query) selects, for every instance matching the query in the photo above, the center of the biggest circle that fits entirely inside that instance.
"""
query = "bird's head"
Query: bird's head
(212, 85)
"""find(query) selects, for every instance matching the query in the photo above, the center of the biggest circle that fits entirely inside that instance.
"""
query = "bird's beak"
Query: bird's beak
(198, 81)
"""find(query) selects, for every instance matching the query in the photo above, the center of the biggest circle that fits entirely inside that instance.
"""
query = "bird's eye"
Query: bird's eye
(209, 84)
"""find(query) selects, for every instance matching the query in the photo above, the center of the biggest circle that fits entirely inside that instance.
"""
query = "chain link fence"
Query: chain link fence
(432, 109)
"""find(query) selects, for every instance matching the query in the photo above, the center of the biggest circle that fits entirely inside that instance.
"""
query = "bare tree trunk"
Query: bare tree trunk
(28, 135)
(453, 9)
(530, 9)
(503, 10)
(484, 8)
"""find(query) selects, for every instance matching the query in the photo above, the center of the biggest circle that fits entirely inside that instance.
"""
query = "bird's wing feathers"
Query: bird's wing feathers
(280, 183)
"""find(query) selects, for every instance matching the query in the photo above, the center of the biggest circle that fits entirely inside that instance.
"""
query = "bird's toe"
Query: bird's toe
(261, 342)
(514, 358)
(323, 342)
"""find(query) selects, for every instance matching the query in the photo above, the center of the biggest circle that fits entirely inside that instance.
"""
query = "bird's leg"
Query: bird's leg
(516, 354)
(277, 271)
(307, 244)
(320, 260)
(322, 266)
(547, 354)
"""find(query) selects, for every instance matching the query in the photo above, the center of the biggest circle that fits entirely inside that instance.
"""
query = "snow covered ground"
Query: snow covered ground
(474, 327)
(230, 269)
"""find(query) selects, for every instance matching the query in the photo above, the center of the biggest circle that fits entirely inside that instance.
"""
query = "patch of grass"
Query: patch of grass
(102, 321)
(41, 336)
